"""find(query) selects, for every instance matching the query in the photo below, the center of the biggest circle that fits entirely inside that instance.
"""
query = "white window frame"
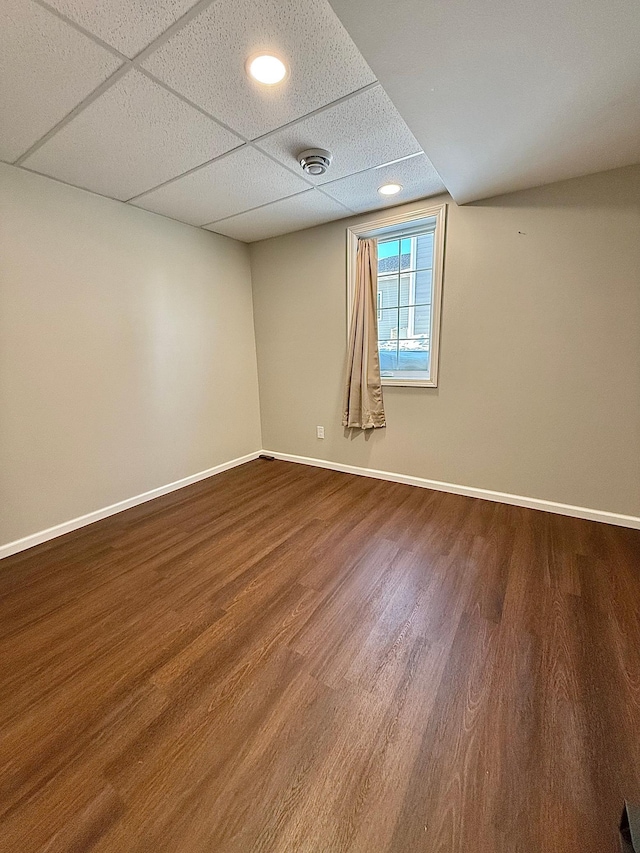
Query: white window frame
(387, 227)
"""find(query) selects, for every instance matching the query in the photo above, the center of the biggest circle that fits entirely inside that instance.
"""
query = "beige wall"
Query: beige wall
(539, 387)
(127, 352)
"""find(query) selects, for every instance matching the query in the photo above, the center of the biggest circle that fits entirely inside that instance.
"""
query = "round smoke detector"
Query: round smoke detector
(315, 161)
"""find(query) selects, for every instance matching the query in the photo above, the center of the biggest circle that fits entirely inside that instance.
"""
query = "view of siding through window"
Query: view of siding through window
(405, 269)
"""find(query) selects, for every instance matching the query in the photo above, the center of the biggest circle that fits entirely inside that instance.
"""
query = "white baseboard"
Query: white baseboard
(89, 518)
(470, 491)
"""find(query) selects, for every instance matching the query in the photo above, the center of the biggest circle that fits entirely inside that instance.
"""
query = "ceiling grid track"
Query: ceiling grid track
(257, 143)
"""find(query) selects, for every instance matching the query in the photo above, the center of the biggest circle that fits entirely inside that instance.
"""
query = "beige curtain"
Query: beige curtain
(363, 406)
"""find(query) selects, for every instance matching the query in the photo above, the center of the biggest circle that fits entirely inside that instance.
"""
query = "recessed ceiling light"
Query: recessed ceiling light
(389, 189)
(266, 69)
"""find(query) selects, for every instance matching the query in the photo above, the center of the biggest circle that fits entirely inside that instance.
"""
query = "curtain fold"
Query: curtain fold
(363, 405)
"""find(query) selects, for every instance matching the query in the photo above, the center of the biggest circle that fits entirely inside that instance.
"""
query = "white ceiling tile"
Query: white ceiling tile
(241, 180)
(416, 175)
(361, 132)
(205, 61)
(46, 69)
(135, 136)
(289, 214)
(127, 25)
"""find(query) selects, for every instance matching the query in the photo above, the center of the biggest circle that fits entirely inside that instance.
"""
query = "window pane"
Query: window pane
(422, 320)
(405, 255)
(388, 324)
(388, 351)
(407, 286)
(388, 287)
(405, 327)
(388, 255)
(422, 287)
(413, 354)
(414, 321)
(424, 251)
(415, 288)
(406, 246)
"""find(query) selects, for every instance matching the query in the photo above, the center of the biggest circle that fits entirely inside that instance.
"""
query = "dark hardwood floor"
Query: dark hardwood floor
(284, 658)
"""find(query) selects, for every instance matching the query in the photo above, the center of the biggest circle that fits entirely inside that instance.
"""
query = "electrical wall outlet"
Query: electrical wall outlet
(319, 432)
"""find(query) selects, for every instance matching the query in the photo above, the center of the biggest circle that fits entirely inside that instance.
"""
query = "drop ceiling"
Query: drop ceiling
(512, 94)
(148, 102)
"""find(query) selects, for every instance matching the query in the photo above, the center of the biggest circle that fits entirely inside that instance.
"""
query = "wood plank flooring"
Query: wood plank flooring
(285, 658)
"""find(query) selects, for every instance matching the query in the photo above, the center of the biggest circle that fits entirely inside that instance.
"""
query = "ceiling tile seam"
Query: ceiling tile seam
(185, 174)
(402, 159)
(321, 187)
(371, 169)
(318, 111)
(163, 37)
(393, 162)
(318, 187)
(91, 97)
(186, 100)
(335, 200)
(79, 28)
(166, 215)
(203, 227)
(68, 184)
(257, 139)
(128, 63)
(254, 143)
(226, 127)
(223, 125)
(108, 197)
(197, 168)
(299, 174)
(173, 28)
(257, 207)
(142, 209)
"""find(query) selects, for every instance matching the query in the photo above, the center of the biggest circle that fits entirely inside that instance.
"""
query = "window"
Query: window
(410, 263)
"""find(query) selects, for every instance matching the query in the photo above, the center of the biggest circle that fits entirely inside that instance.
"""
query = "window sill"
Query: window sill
(410, 383)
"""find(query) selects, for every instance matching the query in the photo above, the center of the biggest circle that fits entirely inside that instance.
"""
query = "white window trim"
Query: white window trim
(378, 228)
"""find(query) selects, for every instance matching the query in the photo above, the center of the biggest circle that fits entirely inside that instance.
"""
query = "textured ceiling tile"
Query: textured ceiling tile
(362, 132)
(46, 69)
(289, 214)
(206, 61)
(127, 25)
(133, 137)
(416, 175)
(241, 180)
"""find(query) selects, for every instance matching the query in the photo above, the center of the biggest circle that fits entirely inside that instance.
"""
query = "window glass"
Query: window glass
(404, 304)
